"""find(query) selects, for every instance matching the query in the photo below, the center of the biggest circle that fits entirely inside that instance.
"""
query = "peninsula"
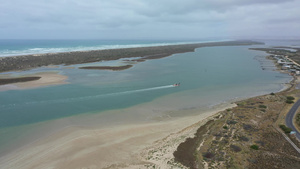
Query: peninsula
(25, 62)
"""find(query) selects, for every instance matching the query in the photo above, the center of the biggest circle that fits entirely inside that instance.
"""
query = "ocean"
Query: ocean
(144, 93)
(15, 47)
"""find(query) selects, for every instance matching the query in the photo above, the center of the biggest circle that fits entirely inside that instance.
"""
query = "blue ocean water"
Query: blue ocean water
(15, 47)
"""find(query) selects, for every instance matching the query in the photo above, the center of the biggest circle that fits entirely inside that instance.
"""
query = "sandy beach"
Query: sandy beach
(119, 146)
(47, 79)
(95, 141)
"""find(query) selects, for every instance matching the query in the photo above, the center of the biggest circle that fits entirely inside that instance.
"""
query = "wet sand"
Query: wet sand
(114, 146)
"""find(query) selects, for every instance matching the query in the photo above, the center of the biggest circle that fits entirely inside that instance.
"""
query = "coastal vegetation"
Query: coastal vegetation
(250, 126)
(68, 58)
(4, 81)
(298, 119)
(254, 147)
(229, 139)
(115, 68)
(285, 128)
(289, 99)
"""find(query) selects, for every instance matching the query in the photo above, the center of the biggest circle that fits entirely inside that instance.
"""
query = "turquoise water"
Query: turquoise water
(208, 76)
(206, 71)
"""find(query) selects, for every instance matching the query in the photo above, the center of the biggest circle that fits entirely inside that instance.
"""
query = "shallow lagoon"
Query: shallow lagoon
(209, 76)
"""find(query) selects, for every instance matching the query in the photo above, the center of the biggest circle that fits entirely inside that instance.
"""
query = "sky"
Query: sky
(149, 19)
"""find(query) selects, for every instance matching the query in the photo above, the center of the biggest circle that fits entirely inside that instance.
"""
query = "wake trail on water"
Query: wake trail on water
(74, 99)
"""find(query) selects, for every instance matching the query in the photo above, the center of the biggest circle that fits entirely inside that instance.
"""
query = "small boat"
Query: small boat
(176, 84)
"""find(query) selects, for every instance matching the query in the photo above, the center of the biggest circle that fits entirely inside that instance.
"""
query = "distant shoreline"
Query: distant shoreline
(5, 81)
(25, 62)
(114, 68)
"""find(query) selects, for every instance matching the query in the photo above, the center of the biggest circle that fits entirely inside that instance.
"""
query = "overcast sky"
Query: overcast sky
(149, 19)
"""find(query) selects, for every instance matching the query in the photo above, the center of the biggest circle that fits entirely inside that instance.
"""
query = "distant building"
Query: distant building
(285, 67)
(293, 70)
(281, 62)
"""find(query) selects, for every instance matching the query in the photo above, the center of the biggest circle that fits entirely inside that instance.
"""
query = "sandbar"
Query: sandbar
(44, 79)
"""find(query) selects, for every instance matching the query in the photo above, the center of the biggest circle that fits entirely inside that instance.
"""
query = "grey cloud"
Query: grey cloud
(140, 18)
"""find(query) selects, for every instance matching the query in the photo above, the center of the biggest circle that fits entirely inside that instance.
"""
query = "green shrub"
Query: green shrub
(285, 128)
(243, 138)
(225, 127)
(272, 93)
(254, 147)
(290, 98)
(262, 106)
(235, 148)
(208, 155)
(231, 122)
(298, 119)
(289, 101)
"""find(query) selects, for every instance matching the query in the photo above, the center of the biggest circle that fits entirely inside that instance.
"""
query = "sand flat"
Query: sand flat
(115, 147)
(47, 79)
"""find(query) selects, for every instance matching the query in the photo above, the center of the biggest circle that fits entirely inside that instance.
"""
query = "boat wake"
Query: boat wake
(147, 89)
(75, 99)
